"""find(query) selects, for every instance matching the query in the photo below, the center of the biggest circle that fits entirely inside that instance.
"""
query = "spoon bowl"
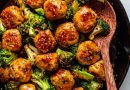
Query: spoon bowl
(107, 13)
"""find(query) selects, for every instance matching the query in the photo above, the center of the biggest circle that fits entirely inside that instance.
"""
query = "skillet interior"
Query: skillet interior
(120, 46)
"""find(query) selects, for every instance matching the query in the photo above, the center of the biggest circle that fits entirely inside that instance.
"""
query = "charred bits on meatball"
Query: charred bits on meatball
(35, 3)
(12, 16)
(48, 62)
(85, 19)
(88, 53)
(12, 40)
(21, 70)
(44, 41)
(66, 35)
(55, 9)
(63, 80)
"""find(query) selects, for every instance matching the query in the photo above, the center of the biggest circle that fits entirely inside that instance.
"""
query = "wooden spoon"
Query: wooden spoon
(106, 12)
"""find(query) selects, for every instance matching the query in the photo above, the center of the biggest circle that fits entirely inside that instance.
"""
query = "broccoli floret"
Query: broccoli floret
(91, 85)
(72, 9)
(69, 14)
(40, 11)
(31, 52)
(33, 20)
(6, 57)
(65, 57)
(11, 85)
(101, 28)
(42, 80)
(73, 48)
(81, 72)
(2, 28)
(82, 2)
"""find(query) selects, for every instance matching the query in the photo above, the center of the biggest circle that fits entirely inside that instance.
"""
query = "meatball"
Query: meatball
(55, 9)
(47, 61)
(12, 40)
(21, 70)
(88, 53)
(66, 35)
(78, 88)
(27, 86)
(44, 41)
(4, 74)
(35, 3)
(12, 16)
(63, 80)
(85, 19)
(98, 69)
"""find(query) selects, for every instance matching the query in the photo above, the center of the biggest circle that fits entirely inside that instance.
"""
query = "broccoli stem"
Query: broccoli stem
(30, 53)
(84, 75)
(2, 28)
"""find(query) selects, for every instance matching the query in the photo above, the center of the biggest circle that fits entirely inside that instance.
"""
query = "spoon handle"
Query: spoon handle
(110, 81)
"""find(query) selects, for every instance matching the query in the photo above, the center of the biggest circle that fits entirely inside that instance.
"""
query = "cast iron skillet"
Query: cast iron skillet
(120, 46)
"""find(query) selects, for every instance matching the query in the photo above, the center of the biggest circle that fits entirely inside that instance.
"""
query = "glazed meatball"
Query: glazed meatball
(78, 88)
(21, 70)
(12, 16)
(44, 41)
(98, 69)
(12, 40)
(35, 3)
(4, 74)
(47, 61)
(88, 53)
(63, 80)
(85, 19)
(55, 9)
(27, 86)
(66, 35)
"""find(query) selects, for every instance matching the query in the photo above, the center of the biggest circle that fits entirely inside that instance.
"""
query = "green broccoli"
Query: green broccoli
(91, 85)
(73, 48)
(40, 11)
(31, 52)
(11, 85)
(101, 28)
(81, 72)
(72, 9)
(42, 80)
(69, 14)
(33, 19)
(2, 28)
(65, 57)
(6, 57)
(82, 2)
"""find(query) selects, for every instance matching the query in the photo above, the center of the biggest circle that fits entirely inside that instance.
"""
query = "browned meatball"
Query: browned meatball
(4, 74)
(27, 86)
(66, 35)
(21, 70)
(55, 9)
(47, 61)
(44, 41)
(98, 69)
(12, 40)
(78, 88)
(35, 3)
(63, 80)
(85, 19)
(12, 16)
(88, 53)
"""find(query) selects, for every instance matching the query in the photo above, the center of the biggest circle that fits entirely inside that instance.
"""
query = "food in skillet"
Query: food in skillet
(46, 46)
